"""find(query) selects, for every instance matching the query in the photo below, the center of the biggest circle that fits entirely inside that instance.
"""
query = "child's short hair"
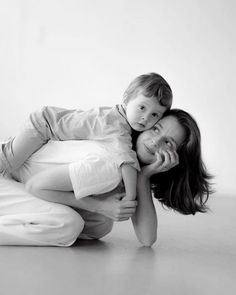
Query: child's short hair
(150, 85)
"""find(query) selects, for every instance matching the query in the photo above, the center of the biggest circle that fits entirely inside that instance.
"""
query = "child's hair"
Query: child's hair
(184, 188)
(150, 85)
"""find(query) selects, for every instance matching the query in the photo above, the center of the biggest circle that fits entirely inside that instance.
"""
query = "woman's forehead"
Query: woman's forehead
(168, 121)
(171, 127)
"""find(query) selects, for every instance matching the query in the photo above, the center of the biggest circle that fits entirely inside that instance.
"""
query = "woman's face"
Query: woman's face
(167, 134)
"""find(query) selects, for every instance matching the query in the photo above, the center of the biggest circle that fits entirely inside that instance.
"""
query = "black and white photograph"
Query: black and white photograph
(117, 147)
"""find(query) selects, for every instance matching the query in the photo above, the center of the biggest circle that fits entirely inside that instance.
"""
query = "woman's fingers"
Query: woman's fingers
(128, 204)
(125, 210)
(123, 219)
(171, 159)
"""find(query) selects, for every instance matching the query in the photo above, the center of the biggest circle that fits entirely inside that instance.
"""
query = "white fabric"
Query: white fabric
(26, 220)
(94, 176)
(92, 165)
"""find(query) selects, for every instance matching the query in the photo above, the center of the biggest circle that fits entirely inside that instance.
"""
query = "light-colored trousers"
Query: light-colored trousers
(27, 220)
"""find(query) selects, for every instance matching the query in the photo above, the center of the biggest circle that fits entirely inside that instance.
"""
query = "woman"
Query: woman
(158, 147)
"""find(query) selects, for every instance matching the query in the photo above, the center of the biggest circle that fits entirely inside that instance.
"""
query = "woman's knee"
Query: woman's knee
(73, 225)
(104, 229)
(96, 226)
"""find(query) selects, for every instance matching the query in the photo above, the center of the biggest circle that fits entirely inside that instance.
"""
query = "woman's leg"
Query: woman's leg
(96, 225)
(26, 220)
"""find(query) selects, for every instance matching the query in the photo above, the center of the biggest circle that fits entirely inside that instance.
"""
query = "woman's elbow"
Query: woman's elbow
(147, 241)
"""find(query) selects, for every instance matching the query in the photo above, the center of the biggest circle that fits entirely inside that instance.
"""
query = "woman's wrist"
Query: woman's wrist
(145, 172)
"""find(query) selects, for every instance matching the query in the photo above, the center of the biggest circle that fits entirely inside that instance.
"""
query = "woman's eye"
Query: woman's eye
(168, 143)
(154, 115)
(141, 107)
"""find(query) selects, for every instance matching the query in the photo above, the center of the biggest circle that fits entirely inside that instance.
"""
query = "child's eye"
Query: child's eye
(142, 107)
(155, 115)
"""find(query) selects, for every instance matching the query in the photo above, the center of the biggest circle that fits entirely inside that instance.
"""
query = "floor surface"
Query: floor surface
(193, 255)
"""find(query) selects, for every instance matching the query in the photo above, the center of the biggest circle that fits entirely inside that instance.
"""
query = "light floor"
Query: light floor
(193, 255)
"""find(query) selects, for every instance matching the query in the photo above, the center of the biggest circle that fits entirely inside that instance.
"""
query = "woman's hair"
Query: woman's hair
(150, 85)
(184, 188)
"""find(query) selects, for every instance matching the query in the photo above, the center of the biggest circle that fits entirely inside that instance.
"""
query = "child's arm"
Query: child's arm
(54, 185)
(129, 175)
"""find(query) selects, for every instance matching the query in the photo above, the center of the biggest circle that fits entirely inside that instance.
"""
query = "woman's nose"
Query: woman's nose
(155, 142)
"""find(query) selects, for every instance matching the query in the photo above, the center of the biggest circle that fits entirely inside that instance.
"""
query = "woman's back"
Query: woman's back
(61, 152)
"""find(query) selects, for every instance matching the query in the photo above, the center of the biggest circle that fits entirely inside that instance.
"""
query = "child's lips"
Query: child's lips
(141, 125)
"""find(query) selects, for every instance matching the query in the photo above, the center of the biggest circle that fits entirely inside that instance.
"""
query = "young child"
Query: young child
(145, 101)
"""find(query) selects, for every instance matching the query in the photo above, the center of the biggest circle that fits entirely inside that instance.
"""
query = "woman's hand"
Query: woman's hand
(115, 208)
(164, 162)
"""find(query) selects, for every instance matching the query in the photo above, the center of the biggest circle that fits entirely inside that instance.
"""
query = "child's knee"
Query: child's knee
(38, 122)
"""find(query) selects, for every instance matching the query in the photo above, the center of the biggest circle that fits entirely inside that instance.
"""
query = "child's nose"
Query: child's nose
(144, 118)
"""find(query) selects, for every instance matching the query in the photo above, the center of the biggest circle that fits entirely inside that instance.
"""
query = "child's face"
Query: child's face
(167, 134)
(143, 112)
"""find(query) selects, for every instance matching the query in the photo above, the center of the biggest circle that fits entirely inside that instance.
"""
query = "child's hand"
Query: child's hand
(164, 162)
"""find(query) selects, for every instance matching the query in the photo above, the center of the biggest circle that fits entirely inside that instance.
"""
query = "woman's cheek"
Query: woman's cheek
(166, 148)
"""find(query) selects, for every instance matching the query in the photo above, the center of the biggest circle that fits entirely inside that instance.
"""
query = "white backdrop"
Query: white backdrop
(72, 54)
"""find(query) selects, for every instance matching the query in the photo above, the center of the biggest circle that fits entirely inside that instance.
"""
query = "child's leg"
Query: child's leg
(17, 150)
(26, 220)
(35, 133)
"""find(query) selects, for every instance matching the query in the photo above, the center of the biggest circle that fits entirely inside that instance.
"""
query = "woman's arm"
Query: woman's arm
(145, 217)
(54, 185)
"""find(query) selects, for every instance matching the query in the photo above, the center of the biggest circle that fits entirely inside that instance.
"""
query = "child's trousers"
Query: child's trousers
(27, 220)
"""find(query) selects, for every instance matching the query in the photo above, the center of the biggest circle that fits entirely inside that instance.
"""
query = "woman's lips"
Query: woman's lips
(149, 150)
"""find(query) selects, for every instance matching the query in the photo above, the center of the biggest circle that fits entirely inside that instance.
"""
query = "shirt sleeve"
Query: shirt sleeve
(64, 124)
(121, 149)
(94, 176)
